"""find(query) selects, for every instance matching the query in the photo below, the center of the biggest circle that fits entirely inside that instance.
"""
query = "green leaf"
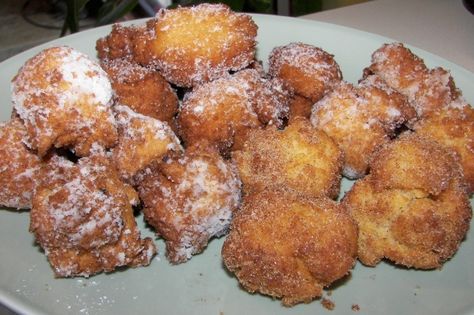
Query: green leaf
(119, 10)
(72, 15)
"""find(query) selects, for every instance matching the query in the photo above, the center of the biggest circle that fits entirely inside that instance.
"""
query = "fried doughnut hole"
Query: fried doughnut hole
(64, 99)
(309, 70)
(359, 119)
(453, 127)
(190, 199)
(20, 168)
(192, 45)
(223, 111)
(405, 72)
(83, 219)
(300, 107)
(119, 43)
(142, 89)
(299, 157)
(412, 208)
(290, 246)
(142, 140)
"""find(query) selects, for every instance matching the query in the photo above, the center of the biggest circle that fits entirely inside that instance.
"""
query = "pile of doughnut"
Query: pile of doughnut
(179, 120)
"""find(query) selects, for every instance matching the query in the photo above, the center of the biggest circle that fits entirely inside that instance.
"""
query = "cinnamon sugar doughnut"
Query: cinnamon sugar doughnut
(309, 70)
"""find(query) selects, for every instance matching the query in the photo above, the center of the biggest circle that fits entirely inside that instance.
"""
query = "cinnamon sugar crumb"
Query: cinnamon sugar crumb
(328, 304)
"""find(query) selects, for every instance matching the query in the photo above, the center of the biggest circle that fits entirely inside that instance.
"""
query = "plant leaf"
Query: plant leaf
(122, 8)
(72, 15)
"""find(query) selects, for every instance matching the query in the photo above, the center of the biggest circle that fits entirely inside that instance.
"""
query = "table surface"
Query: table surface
(442, 27)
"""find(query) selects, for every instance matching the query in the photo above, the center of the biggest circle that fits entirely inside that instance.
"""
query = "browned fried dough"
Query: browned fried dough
(20, 168)
(64, 99)
(142, 89)
(223, 111)
(142, 140)
(427, 89)
(190, 199)
(290, 246)
(309, 70)
(412, 208)
(119, 43)
(360, 119)
(299, 157)
(82, 218)
(192, 45)
(453, 127)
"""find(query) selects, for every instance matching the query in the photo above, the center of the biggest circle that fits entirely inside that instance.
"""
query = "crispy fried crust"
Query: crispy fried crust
(64, 99)
(299, 157)
(82, 218)
(224, 110)
(190, 199)
(427, 89)
(408, 226)
(453, 127)
(142, 89)
(142, 140)
(290, 246)
(192, 45)
(300, 107)
(360, 119)
(119, 43)
(20, 168)
(309, 70)
(413, 208)
(412, 162)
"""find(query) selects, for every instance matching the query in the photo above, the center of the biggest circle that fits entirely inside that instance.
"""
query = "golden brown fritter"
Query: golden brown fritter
(290, 246)
(82, 218)
(19, 167)
(142, 89)
(223, 111)
(64, 99)
(413, 208)
(360, 119)
(299, 157)
(412, 162)
(309, 70)
(118, 44)
(190, 199)
(142, 140)
(192, 45)
(427, 89)
(453, 127)
(300, 107)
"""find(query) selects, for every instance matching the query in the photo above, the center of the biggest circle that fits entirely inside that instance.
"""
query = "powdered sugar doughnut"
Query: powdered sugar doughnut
(191, 45)
(359, 119)
(309, 70)
(142, 140)
(64, 99)
(405, 72)
(224, 110)
(19, 167)
(190, 199)
(82, 218)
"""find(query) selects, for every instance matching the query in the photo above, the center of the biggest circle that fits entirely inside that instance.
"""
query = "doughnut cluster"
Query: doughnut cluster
(179, 120)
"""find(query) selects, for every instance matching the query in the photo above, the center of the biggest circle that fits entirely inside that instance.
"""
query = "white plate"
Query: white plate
(202, 285)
